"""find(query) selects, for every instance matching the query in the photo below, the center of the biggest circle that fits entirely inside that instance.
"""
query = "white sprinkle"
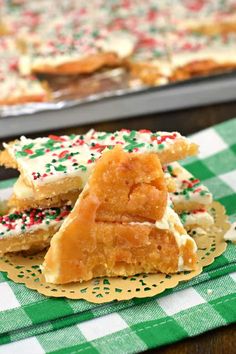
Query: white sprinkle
(209, 291)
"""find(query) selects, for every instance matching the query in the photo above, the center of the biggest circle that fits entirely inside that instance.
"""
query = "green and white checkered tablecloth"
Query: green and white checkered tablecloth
(31, 323)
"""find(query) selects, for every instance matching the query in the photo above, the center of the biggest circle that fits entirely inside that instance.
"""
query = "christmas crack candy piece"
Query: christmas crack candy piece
(61, 164)
(30, 230)
(190, 193)
(121, 225)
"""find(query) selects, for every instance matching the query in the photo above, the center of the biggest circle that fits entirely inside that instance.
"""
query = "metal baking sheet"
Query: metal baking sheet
(122, 104)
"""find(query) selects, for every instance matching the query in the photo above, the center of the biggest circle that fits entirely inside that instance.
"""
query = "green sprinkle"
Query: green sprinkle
(130, 138)
(83, 168)
(50, 144)
(104, 136)
(38, 152)
(74, 153)
(95, 33)
(65, 158)
(157, 53)
(183, 217)
(21, 154)
(170, 169)
(60, 168)
(28, 147)
(133, 146)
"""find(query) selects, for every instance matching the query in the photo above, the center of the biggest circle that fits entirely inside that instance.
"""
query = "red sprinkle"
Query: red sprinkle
(80, 142)
(152, 15)
(28, 151)
(56, 138)
(13, 65)
(198, 211)
(191, 184)
(98, 147)
(144, 131)
(197, 190)
(161, 139)
(63, 154)
(64, 213)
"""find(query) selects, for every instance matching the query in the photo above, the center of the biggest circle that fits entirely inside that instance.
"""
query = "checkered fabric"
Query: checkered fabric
(32, 323)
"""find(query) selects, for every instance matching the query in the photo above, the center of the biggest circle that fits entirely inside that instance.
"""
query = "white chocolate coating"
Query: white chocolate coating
(45, 160)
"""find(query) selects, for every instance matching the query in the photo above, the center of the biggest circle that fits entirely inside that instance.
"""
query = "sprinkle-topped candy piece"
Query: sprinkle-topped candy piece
(43, 160)
(197, 54)
(131, 140)
(190, 192)
(199, 217)
(18, 223)
(16, 88)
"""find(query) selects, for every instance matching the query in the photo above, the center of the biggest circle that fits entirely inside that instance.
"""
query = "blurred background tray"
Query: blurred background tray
(123, 104)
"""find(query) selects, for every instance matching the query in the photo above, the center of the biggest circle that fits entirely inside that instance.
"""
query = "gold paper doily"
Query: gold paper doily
(26, 269)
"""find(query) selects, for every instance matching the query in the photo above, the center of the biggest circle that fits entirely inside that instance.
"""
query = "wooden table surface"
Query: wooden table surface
(221, 340)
